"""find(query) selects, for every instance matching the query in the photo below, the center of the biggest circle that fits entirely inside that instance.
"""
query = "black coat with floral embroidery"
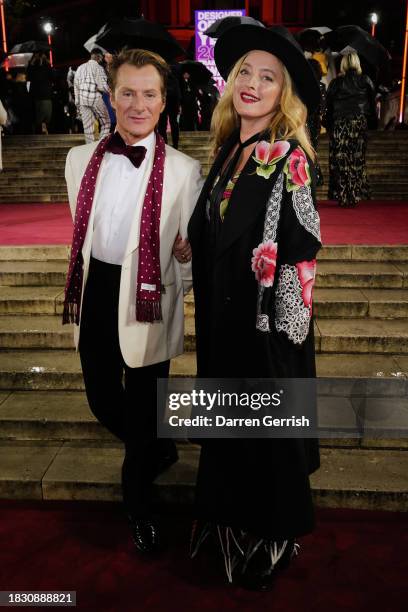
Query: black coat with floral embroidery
(254, 319)
(226, 288)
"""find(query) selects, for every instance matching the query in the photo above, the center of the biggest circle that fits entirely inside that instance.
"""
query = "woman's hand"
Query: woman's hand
(182, 249)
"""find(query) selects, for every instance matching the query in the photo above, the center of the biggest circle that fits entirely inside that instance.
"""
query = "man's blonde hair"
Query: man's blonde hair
(350, 61)
(289, 121)
(138, 58)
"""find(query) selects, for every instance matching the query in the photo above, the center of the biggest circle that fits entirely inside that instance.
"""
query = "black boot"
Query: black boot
(263, 561)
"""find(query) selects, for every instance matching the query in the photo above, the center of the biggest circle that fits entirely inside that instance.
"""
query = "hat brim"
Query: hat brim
(242, 39)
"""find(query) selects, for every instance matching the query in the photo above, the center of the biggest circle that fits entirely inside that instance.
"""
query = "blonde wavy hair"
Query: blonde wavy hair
(289, 121)
(350, 61)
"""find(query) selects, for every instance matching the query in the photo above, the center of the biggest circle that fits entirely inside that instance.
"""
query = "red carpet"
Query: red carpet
(369, 223)
(355, 561)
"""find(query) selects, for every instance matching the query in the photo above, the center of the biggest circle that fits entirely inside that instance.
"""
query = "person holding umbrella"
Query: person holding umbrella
(40, 77)
(254, 237)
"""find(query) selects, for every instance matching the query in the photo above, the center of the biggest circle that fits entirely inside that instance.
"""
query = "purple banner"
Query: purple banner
(205, 45)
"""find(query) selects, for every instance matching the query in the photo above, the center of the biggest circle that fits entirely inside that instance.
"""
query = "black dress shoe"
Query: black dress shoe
(263, 561)
(145, 536)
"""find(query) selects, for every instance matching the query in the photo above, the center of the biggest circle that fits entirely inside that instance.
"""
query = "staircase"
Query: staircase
(52, 448)
(34, 165)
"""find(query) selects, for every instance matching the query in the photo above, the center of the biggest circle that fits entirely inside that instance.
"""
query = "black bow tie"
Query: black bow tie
(117, 146)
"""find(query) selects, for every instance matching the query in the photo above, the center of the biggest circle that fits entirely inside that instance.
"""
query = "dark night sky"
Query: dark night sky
(390, 29)
(75, 26)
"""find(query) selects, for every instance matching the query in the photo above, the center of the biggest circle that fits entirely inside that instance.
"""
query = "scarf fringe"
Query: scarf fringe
(148, 311)
(70, 313)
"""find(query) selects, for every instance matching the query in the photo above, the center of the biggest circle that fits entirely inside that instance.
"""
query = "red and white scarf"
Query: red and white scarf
(148, 291)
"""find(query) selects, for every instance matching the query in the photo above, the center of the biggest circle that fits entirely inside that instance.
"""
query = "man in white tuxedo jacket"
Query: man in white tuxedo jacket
(125, 289)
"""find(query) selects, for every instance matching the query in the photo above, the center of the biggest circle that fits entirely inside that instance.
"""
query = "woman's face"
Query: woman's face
(258, 87)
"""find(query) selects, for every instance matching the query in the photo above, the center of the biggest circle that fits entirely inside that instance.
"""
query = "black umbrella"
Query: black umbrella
(197, 71)
(29, 46)
(366, 45)
(222, 25)
(138, 34)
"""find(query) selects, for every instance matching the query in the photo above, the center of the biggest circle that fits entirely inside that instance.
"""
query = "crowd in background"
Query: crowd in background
(354, 94)
(42, 100)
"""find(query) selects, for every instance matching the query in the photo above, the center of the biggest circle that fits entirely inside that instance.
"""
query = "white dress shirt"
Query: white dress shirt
(116, 203)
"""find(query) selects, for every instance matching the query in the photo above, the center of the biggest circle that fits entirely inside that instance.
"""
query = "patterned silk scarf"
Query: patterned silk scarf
(148, 292)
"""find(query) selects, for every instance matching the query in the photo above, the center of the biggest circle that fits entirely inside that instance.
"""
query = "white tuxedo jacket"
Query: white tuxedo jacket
(147, 343)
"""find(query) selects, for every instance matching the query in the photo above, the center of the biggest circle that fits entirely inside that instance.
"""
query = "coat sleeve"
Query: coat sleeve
(71, 184)
(3, 114)
(189, 196)
(298, 243)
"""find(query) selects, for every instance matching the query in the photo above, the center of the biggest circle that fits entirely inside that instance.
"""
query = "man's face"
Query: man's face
(138, 101)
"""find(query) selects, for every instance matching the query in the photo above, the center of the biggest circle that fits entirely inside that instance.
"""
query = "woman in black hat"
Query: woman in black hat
(254, 236)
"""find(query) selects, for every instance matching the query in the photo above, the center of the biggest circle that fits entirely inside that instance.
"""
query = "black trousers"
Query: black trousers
(123, 399)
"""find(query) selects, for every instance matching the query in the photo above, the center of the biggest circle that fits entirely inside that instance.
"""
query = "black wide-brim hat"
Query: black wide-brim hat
(242, 39)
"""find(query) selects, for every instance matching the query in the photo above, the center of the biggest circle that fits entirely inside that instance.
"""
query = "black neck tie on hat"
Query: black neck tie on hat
(117, 146)
(217, 193)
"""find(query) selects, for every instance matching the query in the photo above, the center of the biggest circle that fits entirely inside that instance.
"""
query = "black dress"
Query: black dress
(350, 111)
(259, 485)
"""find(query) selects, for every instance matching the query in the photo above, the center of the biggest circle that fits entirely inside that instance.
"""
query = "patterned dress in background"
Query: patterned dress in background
(348, 182)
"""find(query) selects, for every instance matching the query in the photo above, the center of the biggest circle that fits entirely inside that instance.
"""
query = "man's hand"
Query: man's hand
(182, 249)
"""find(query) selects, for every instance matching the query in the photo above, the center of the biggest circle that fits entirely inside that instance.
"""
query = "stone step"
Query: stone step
(31, 300)
(60, 369)
(363, 336)
(37, 183)
(40, 332)
(31, 165)
(42, 155)
(336, 252)
(328, 303)
(49, 415)
(33, 273)
(25, 189)
(348, 478)
(41, 252)
(43, 138)
(35, 172)
(38, 148)
(42, 370)
(16, 301)
(65, 415)
(31, 198)
(330, 274)
(331, 335)
(354, 303)
(358, 274)
(33, 184)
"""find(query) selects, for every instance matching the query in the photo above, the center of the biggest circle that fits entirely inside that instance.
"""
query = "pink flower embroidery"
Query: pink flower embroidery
(306, 273)
(263, 262)
(297, 170)
(267, 155)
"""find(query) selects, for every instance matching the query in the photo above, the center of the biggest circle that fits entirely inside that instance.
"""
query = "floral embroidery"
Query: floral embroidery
(267, 156)
(297, 170)
(291, 314)
(306, 273)
(264, 262)
(270, 231)
(305, 211)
